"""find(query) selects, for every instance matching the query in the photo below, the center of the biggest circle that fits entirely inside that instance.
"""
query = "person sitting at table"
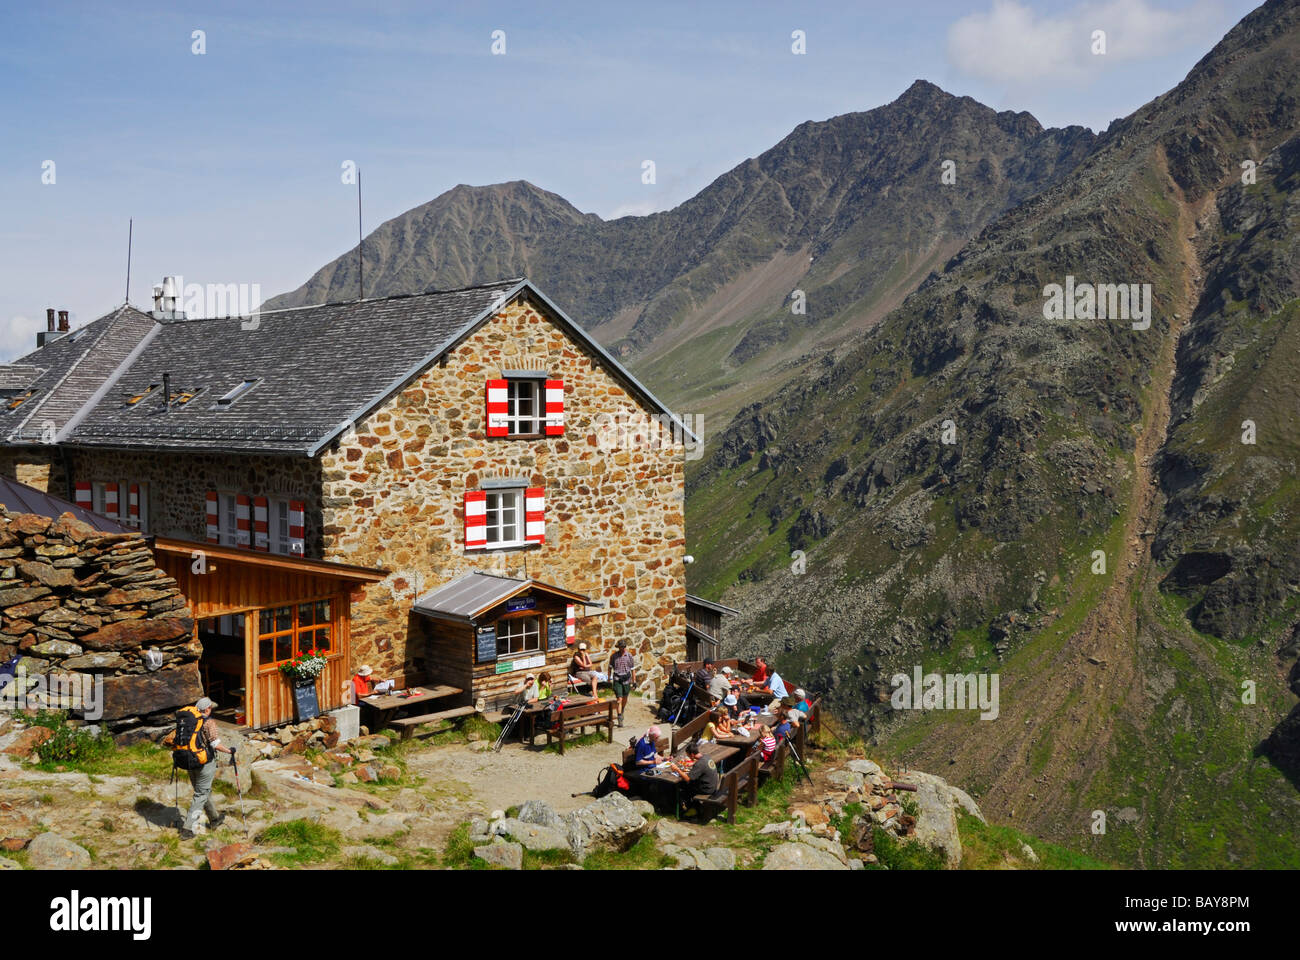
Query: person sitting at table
(704, 777)
(720, 684)
(582, 669)
(543, 686)
(776, 685)
(362, 685)
(766, 745)
(803, 705)
(531, 690)
(647, 750)
(734, 686)
(704, 676)
(722, 726)
(760, 671)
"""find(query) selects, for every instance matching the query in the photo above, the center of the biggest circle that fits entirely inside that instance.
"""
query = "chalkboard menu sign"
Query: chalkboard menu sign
(554, 633)
(485, 639)
(304, 701)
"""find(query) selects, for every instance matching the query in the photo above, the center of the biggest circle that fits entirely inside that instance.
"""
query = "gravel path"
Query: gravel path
(494, 781)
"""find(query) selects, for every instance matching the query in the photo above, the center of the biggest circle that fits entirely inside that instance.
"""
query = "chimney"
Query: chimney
(167, 392)
(50, 334)
(168, 298)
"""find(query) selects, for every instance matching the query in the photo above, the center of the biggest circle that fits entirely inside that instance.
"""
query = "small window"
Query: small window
(518, 635)
(228, 515)
(135, 398)
(505, 518)
(20, 399)
(523, 410)
(180, 398)
(236, 393)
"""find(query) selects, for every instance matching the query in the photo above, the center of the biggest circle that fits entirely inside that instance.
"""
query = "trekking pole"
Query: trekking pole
(685, 700)
(795, 753)
(239, 786)
(508, 726)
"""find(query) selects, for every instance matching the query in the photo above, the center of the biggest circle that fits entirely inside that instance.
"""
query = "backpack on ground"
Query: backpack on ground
(552, 713)
(189, 741)
(610, 779)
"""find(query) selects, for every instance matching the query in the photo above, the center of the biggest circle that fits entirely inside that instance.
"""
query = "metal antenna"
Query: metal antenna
(361, 260)
(130, 233)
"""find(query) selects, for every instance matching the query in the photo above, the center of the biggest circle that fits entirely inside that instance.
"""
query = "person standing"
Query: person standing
(622, 667)
(205, 745)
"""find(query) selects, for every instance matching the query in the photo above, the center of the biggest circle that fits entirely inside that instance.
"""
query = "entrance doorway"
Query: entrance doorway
(221, 666)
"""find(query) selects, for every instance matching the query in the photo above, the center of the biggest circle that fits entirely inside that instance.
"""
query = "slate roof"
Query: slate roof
(317, 369)
(73, 369)
(20, 498)
(475, 593)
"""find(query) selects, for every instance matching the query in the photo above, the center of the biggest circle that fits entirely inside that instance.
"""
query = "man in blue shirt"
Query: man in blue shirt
(647, 750)
(777, 686)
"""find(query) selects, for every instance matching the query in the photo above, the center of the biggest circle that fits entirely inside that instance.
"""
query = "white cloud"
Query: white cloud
(641, 209)
(1013, 43)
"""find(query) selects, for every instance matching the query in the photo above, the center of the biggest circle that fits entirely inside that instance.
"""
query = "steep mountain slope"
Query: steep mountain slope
(851, 211)
(979, 484)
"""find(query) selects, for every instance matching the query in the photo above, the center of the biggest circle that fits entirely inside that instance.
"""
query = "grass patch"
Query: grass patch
(899, 854)
(988, 847)
(541, 859)
(642, 855)
(312, 842)
(458, 854)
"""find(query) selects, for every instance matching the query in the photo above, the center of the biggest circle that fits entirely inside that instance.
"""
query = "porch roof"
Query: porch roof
(271, 561)
(470, 596)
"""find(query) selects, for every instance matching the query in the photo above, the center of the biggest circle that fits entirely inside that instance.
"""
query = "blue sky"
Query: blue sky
(230, 161)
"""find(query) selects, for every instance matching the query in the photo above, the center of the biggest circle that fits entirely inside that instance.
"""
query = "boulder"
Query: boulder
(812, 813)
(864, 767)
(223, 858)
(96, 661)
(538, 812)
(936, 824)
(532, 835)
(368, 852)
(670, 831)
(27, 741)
(688, 858)
(826, 845)
(784, 829)
(801, 856)
(49, 851)
(612, 820)
(14, 844)
(125, 634)
(509, 856)
(845, 779)
(722, 858)
(139, 694)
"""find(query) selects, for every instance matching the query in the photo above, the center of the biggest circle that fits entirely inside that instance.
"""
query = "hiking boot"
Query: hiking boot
(187, 834)
(221, 818)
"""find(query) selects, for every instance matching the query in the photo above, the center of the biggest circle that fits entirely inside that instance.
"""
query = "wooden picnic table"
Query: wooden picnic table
(387, 705)
(534, 710)
(667, 778)
(755, 727)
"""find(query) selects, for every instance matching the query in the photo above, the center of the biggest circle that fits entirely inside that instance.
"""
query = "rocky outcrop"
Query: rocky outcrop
(79, 606)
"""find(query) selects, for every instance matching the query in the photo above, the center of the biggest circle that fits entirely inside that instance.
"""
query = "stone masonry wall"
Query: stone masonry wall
(179, 482)
(615, 527)
(77, 601)
(35, 466)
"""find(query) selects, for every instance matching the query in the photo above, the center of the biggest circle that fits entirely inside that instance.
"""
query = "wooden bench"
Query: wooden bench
(688, 732)
(408, 724)
(629, 755)
(598, 714)
(774, 767)
(743, 778)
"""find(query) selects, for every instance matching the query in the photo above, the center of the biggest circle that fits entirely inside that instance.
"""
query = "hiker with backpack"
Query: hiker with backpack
(195, 746)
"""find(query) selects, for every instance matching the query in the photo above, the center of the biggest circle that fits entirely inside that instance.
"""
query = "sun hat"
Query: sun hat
(653, 732)
(582, 646)
(365, 670)
(730, 700)
(204, 704)
(726, 669)
(531, 676)
(800, 694)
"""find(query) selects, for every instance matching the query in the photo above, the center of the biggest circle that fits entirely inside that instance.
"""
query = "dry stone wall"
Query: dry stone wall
(615, 527)
(77, 603)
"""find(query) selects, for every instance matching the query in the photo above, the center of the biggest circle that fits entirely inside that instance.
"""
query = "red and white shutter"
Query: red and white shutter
(214, 522)
(85, 498)
(535, 515)
(261, 526)
(555, 408)
(475, 519)
(133, 505)
(498, 407)
(110, 500)
(570, 624)
(297, 523)
(243, 522)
